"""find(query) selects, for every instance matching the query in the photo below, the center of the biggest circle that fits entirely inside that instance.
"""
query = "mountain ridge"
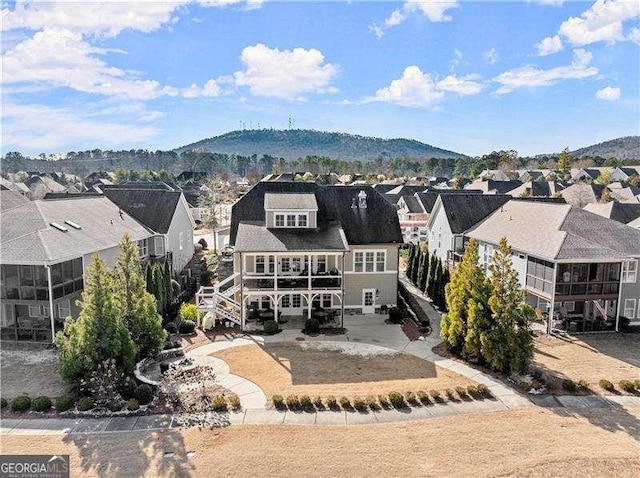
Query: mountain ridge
(625, 147)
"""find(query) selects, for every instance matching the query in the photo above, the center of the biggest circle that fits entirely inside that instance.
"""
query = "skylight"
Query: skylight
(73, 224)
(59, 227)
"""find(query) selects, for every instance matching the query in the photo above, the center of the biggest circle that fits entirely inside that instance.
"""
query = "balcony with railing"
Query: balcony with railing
(331, 280)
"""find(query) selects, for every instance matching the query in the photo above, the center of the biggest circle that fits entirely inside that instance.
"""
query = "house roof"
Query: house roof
(29, 237)
(621, 212)
(555, 231)
(154, 208)
(376, 224)
(465, 210)
(255, 237)
(11, 199)
(580, 194)
(430, 196)
(290, 201)
(414, 206)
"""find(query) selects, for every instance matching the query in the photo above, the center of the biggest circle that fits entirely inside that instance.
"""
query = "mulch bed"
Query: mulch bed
(411, 330)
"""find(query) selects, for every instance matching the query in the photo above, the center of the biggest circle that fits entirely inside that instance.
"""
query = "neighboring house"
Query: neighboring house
(302, 246)
(45, 248)
(165, 212)
(537, 188)
(491, 186)
(452, 215)
(622, 212)
(581, 194)
(7, 185)
(40, 185)
(579, 268)
(413, 219)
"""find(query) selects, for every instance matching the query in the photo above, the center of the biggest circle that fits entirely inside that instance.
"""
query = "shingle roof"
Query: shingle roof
(580, 194)
(28, 237)
(291, 201)
(465, 210)
(11, 199)
(621, 212)
(255, 237)
(429, 197)
(376, 224)
(154, 208)
(414, 206)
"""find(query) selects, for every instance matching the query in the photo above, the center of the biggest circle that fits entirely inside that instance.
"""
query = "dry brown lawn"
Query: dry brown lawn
(579, 360)
(286, 369)
(527, 442)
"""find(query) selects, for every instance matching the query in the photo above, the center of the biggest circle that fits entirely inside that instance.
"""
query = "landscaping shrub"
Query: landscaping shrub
(472, 391)
(317, 402)
(462, 392)
(133, 405)
(607, 385)
(627, 385)
(550, 384)
(219, 404)
(483, 390)
(128, 388)
(384, 401)
(21, 403)
(435, 395)
(637, 384)
(305, 402)
(278, 401)
(115, 406)
(395, 315)
(583, 385)
(171, 327)
(450, 395)
(360, 404)
(293, 402)
(311, 326)
(345, 403)
(203, 243)
(270, 327)
(3, 402)
(396, 399)
(410, 398)
(143, 393)
(188, 311)
(63, 404)
(186, 327)
(85, 404)
(569, 385)
(41, 404)
(234, 402)
(332, 403)
(422, 396)
(372, 403)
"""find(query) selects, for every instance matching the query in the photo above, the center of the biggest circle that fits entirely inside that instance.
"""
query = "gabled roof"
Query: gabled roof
(621, 212)
(465, 210)
(255, 237)
(429, 197)
(291, 201)
(29, 237)
(580, 194)
(414, 206)
(154, 208)
(11, 199)
(376, 224)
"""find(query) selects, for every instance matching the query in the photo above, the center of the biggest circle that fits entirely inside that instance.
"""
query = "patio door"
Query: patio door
(368, 301)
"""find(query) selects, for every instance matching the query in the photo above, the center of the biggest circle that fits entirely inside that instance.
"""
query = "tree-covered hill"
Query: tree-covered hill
(298, 143)
(627, 147)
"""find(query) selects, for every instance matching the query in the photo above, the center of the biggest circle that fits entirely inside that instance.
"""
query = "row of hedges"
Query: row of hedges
(413, 304)
(625, 385)
(391, 400)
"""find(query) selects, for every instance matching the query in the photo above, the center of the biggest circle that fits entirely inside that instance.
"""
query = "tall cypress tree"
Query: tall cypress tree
(424, 270)
(446, 277)
(412, 251)
(415, 269)
(138, 307)
(428, 287)
(168, 290)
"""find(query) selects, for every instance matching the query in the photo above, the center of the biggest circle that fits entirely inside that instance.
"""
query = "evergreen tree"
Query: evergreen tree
(508, 346)
(467, 283)
(415, 269)
(168, 290)
(148, 273)
(412, 251)
(433, 266)
(138, 307)
(425, 271)
(99, 333)
(446, 277)
(435, 286)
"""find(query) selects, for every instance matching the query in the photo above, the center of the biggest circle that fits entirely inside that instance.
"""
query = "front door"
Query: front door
(368, 301)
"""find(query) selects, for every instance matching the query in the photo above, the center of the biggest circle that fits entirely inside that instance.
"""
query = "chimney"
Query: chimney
(362, 200)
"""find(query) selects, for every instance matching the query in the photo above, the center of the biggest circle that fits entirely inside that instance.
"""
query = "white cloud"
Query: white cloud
(288, 74)
(555, 3)
(490, 56)
(210, 88)
(609, 93)
(40, 127)
(61, 58)
(434, 10)
(417, 89)
(529, 76)
(550, 45)
(634, 35)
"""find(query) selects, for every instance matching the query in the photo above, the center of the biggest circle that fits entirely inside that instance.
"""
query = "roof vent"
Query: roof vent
(59, 227)
(73, 224)
(353, 204)
(362, 200)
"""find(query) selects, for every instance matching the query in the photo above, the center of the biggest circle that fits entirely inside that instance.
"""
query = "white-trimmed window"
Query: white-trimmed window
(380, 261)
(34, 311)
(159, 246)
(64, 309)
(285, 302)
(181, 238)
(143, 250)
(259, 265)
(321, 264)
(291, 219)
(629, 308)
(369, 261)
(629, 271)
(302, 220)
(358, 261)
(285, 264)
(296, 300)
(279, 220)
(296, 264)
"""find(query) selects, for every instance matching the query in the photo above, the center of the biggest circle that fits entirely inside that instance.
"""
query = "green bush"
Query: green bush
(360, 404)
(410, 398)
(63, 404)
(278, 401)
(396, 399)
(462, 392)
(189, 312)
(483, 390)
(383, 400)
(171, 327)
(293, 402)
(435, 395)
(219, 404)
(422, 396)
(133, 405)
(345, 403)
(472, 391)
(627, 385)
(21, 404)
(450, 394)
(115, 405)
(583, 385)
(312, 326)
(637, 384)
(569, 386)
(234, 402)
(143, 393)
(41, 404)
(3, 402)
(332, 403)
(317, 402)
(85, 404)
(306, 403)
(372, 403)
(606, 385)
(550, 384)
(271, 327)
(186, 327)
(395, 315)
(128, 388)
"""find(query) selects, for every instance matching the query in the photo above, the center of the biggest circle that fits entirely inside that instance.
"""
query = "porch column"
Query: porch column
(275, 272)
(309, 272)
(276, 299)
(342, 291)
(243, 260)
(309, 300)
(51, 313)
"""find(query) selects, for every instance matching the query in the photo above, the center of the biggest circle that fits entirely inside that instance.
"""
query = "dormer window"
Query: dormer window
(290, 210)
(294, 219)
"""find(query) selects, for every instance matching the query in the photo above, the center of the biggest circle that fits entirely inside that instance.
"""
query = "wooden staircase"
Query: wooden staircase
(219, 301)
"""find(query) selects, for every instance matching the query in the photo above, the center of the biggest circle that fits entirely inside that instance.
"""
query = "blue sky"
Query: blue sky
(470, 76)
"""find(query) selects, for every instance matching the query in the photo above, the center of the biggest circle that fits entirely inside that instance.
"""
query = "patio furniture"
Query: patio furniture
(267, 314)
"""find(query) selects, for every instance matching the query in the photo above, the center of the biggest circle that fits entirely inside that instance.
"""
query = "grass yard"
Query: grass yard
(311, 369)
(522, 443)
(592, 358)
